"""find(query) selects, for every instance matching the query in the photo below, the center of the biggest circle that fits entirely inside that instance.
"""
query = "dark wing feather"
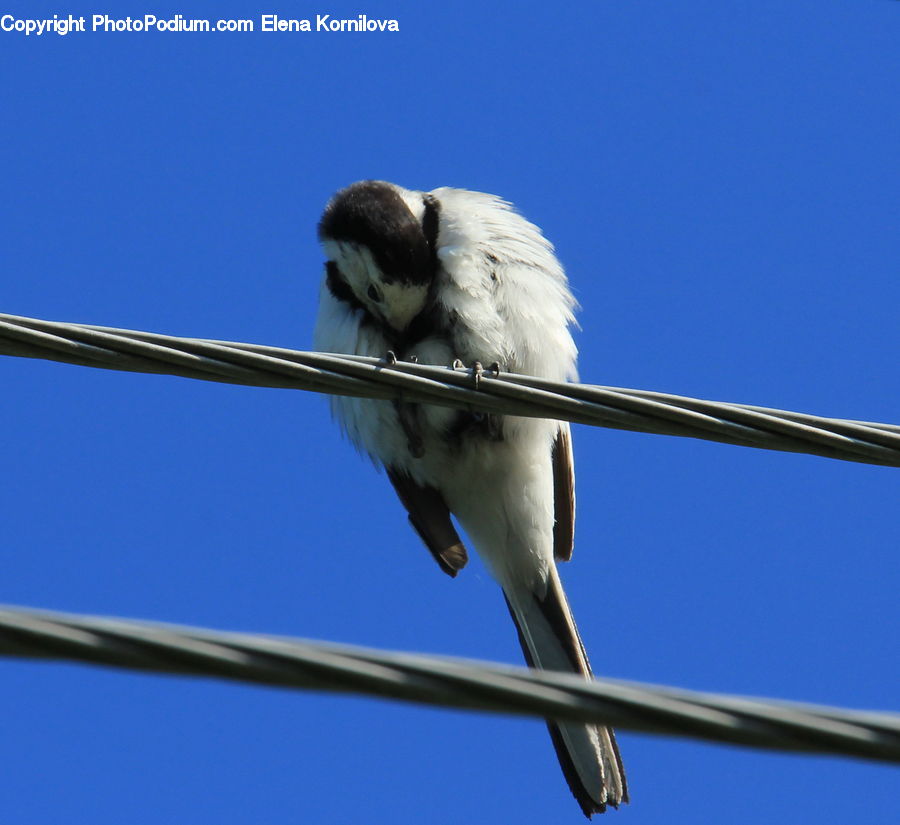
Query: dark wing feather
(430, 516)
(563, 494)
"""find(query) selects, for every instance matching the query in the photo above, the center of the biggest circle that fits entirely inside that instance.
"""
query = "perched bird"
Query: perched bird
(453, 276)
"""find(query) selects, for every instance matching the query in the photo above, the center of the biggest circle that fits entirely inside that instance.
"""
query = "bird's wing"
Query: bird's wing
(563, 494)
(429, 515)
(505, 288)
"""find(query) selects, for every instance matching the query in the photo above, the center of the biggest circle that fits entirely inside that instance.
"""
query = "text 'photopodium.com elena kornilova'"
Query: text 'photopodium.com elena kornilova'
(179, 24)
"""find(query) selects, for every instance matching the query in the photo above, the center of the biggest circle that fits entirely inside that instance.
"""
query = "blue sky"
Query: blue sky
(720, 180)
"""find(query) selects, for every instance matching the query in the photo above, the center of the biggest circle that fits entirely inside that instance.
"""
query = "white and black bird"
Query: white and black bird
(455, 275)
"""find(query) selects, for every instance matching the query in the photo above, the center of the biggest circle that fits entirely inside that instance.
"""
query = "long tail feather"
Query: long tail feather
(588, 754)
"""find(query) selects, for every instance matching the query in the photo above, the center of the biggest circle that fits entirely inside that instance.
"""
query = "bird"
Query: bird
(459, 277)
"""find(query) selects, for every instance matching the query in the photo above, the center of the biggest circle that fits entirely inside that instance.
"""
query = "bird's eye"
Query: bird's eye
(374, 293)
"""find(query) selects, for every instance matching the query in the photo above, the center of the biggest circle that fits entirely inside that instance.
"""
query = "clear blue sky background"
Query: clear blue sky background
(720, 180)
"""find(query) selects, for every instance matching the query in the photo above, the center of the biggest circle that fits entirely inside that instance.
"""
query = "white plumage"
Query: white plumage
(454, 274)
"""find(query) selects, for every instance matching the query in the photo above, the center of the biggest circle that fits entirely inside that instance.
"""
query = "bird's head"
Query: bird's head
(380, 242)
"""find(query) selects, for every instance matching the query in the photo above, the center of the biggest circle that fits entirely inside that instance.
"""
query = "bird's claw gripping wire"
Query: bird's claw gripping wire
(477, 371)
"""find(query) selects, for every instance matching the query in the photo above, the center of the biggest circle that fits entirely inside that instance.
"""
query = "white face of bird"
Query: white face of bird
(394, 301)
(381, 243)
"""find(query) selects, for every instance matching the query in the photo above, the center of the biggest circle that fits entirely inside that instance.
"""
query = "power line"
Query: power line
(506, 394)
(294, 663)
(479, 686)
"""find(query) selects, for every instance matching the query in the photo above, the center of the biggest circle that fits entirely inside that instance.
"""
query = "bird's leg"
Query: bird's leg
(407, 414)
(490, 424)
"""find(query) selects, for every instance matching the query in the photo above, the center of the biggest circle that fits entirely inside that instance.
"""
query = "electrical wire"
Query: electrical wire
(468, 389)
(294, 663)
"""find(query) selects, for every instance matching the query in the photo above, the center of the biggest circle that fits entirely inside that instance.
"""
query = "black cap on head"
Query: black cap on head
(372, 214)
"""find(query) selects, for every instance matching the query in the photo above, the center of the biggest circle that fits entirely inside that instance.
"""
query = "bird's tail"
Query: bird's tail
(588, 754)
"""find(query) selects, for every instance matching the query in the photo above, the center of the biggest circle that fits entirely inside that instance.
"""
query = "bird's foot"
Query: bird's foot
(477, 372)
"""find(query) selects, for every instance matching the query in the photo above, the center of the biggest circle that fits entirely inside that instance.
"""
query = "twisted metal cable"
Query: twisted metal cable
(506, 394)
(293, 663)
